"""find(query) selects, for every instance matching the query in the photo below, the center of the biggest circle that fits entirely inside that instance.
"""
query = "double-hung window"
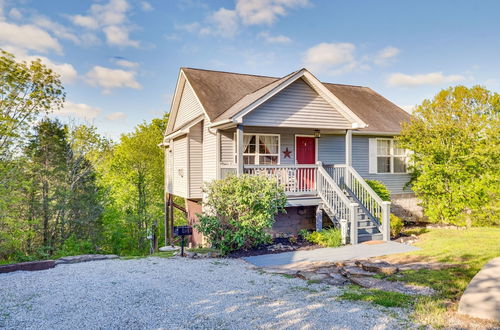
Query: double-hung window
(259, 149)
(390, 157)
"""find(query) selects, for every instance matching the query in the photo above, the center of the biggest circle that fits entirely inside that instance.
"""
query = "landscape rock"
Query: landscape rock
(383, 268)
(335, 279)
(28, 266)
(85, 258)
(312, 276)
(327, 270)
(349, 271)
(375, 283)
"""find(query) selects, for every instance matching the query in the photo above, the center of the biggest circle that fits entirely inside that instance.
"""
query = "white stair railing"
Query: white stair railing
(370, 200)
(337, 202)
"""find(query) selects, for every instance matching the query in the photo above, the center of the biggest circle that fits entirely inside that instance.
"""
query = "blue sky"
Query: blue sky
(119, 59)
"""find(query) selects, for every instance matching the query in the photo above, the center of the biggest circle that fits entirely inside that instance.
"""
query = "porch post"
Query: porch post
(319, 218)
(239, 149)
(348, 147)
(386, 220)
(348, 157)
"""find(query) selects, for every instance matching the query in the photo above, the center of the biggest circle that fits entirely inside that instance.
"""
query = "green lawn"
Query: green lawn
(468, 249)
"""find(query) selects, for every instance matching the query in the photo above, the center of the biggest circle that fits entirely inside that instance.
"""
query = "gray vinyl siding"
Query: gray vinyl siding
(189, 107)
(287, 140)
(360, 160)
(298, 105)
(331, 150)
(195, 161)
(180, 166)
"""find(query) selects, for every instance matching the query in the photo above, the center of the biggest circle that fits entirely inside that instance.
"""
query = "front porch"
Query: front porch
(336, 190)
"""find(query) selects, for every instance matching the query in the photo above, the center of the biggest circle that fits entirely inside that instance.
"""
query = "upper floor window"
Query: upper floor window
(260, 149)
(390, 157)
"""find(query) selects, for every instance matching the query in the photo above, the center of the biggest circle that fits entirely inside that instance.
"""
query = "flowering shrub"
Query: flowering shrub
(242, 210)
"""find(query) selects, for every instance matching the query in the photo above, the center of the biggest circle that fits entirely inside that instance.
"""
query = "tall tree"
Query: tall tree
(134, 174)
(456, 162)
(26, 91)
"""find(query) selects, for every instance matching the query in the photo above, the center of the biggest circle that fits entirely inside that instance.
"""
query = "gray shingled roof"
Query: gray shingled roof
(222, 93)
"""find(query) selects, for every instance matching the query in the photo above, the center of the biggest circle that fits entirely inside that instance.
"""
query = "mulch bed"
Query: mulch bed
(278, 245)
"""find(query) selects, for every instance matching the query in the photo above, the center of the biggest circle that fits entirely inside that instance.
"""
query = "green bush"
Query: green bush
(73, 246)
(380, 189)
(396, 225)
(327, 237)
(242, 210)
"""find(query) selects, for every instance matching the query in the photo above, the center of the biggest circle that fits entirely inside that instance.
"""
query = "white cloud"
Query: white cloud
(227, 22)
(112, 19)
(59, 30)
(79, 110)
(125, 63)
(111, 78)
(433, 78)
(146, 6)
(67, 71)
(385, 55)
(115, 116)
(223, 22)
(277, 39)
(28, 37)
(85, 21)
(332, 57)
(255, 12)
(118, 35)
(408, 108)
(15, 14)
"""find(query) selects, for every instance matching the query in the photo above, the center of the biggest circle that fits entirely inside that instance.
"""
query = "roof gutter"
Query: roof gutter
(222, 122)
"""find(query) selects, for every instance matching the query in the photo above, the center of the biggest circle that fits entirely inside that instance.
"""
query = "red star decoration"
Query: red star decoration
(287, 153)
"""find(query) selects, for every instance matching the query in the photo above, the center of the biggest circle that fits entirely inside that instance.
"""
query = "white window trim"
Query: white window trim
(391, 157)
(257, 154)
(315, 146)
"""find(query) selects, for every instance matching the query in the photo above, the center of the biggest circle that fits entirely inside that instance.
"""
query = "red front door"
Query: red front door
(305, 154)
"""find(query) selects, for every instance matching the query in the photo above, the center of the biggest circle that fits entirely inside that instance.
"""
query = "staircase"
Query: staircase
(347, 198)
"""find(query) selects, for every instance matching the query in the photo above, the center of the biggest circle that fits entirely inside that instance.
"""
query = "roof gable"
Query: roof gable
(297, 105)
(220, 92)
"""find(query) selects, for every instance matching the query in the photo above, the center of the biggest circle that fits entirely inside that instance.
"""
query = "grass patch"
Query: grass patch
(468, 249)
(379, 297)
(167, 254)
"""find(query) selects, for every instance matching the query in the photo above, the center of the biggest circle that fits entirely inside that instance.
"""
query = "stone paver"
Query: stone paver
(349, 252)
(481, 299)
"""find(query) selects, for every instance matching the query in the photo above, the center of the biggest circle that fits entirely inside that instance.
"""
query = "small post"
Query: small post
(319, 218)
(386, 221)
(166, 219)
(239, 149)
(354, 222)
(348, 157)
(343, 230)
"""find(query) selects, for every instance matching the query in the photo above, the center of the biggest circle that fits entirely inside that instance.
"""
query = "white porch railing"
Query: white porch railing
(337, 202)
(296, 179)
(347, 177)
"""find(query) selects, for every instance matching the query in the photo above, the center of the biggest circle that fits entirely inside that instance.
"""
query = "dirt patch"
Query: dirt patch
(278, 245)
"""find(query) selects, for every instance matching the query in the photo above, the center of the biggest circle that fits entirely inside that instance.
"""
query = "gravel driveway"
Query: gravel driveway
(177, 293)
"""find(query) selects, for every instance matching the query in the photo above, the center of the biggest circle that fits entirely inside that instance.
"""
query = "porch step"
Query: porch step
(369, 237)
(368, 230)
(365, 223)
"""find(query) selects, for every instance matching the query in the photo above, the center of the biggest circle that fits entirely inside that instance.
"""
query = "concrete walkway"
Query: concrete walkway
(349, 252)
(481, 299)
